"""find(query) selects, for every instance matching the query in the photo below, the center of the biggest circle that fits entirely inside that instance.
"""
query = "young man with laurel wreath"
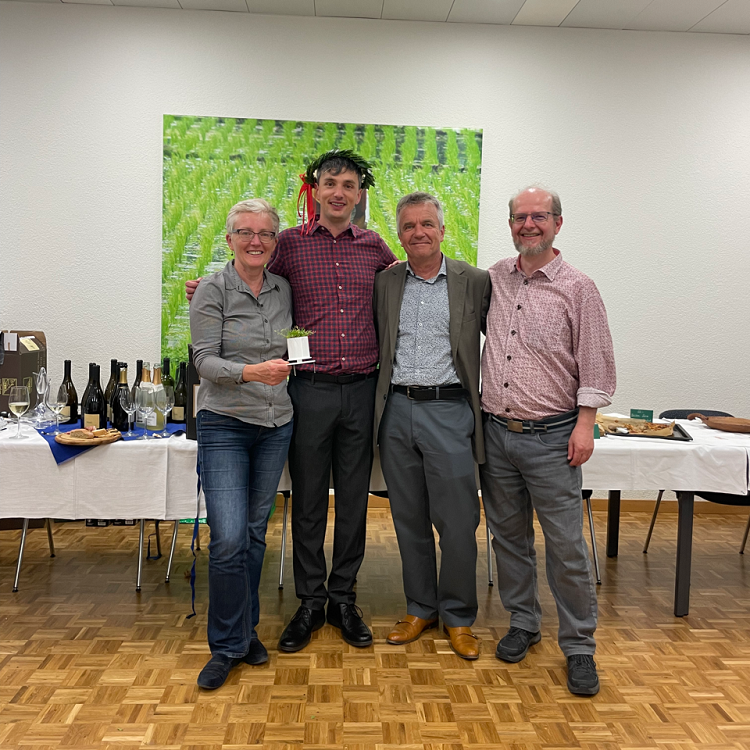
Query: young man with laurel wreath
(331, 266)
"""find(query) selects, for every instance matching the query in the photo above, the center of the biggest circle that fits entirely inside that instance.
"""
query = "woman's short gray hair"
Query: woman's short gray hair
(556, 204)
(252, 206)
(416, 199)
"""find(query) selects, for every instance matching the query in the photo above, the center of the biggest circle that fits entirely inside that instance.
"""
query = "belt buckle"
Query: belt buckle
(514, 425)
(408, 393)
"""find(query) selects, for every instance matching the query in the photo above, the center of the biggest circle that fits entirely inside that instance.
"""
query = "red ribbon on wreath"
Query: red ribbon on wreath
(307, 212)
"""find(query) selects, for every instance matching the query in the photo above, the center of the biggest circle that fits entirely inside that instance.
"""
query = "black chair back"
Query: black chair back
(683, 413)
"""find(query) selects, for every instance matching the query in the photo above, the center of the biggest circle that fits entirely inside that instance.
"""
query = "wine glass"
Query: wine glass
(164, 405)
(41, 384)
(144, 399)
(129, 407)
(56, 404)
(18, 403)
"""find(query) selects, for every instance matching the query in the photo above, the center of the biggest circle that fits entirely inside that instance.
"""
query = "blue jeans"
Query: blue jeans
(241, 465)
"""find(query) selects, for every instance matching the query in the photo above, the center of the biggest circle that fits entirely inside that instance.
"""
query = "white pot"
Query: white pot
(298, 348)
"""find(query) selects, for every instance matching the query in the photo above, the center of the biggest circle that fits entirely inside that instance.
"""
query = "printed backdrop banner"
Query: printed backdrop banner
(211, 163)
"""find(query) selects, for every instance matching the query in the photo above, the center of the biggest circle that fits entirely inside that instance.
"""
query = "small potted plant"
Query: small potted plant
(297, 344)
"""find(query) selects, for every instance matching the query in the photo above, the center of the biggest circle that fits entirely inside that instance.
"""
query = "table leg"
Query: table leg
(686, 502)
(613, 523)
(142, 529)
(171, 550)
(20, 553)
(49, 538)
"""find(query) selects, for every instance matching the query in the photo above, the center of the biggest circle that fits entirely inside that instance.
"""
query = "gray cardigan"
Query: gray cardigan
(230, 328)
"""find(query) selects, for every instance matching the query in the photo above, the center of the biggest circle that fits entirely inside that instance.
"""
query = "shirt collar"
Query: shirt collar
(441, 272)
(550, 270)
(235, 282)
(352, 229)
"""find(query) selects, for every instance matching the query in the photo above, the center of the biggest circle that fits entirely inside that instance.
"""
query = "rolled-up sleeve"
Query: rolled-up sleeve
(206, 327)
(595, 353)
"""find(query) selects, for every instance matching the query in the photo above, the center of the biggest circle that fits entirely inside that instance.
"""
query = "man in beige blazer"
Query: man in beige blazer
(429, 313)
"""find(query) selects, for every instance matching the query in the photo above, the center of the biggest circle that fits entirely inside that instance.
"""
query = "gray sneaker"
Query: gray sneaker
(582, 676)
(515, 644)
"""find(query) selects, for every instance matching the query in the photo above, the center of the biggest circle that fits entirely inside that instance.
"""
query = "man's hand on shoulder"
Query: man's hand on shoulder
(190, 287)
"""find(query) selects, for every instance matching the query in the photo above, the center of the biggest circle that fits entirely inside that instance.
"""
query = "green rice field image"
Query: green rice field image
(211, 163)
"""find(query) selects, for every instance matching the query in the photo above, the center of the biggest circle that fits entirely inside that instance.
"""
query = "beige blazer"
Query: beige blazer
(468, 299)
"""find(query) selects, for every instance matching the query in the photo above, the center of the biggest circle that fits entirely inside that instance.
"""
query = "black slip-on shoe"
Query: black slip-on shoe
(215, 673)
(298, 632)
(256, 654)
(514, 645)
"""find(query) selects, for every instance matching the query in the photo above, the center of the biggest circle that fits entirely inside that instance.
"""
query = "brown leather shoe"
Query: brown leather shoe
(463, 642)
(409, 629)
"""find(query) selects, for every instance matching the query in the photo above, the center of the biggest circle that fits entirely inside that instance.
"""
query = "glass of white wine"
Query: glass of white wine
(18, 403)
(57, 403)
(144, 399)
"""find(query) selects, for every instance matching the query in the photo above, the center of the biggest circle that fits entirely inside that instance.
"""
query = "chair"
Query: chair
(713, 497)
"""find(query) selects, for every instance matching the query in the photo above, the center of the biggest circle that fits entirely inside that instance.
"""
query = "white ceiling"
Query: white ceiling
(717, 16)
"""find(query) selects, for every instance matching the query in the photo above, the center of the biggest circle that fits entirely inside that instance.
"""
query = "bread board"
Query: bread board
(66, 439)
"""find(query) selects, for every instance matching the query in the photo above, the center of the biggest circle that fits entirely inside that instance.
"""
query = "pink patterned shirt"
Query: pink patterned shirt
(548, 347)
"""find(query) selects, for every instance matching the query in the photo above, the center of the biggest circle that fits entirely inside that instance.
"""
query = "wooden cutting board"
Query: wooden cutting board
(110, 437)
(728, 424)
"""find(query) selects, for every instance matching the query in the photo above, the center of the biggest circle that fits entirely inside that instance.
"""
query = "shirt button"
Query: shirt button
(509, 358)
(512, 333)
(507, 410)
(343, 359)
(518, 307)
(342, 335)
(334, 242)
(341, 311)
(341, 287)
(422, 302)
(337, 264)
(526, 282)
(505, 385)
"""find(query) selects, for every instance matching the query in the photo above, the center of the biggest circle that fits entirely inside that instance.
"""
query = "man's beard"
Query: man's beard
(530, 252)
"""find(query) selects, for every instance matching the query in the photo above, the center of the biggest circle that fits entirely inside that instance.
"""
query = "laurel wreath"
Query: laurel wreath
(364, 167)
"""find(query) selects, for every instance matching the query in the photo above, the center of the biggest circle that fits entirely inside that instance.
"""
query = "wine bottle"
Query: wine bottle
(137, 382)
(95, 408)
(143, 381)
(114, 396)
(155, 421)
(69, 414)
(111, 384)
(180, 395)
(119, 415)
(87, 390)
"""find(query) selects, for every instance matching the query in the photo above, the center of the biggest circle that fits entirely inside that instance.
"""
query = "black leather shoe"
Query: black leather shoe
(298, 632)
(348, 617)
(215, 673)
(582, 676)
(515, 644)
(257, 653)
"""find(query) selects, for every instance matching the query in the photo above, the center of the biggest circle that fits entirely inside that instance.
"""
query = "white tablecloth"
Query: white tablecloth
(126, 479)
(713, 462)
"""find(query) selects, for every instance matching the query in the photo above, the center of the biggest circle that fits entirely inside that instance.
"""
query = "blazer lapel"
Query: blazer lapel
(395, 296)
(456, 297)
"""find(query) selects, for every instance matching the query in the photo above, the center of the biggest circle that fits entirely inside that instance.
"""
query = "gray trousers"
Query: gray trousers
(524, 473)
(428, 465)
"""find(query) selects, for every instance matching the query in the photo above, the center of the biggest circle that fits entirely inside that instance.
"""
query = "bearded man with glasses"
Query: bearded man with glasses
(548, 365)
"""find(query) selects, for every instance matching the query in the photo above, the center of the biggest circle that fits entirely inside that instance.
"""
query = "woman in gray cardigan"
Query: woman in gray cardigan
(244, 427)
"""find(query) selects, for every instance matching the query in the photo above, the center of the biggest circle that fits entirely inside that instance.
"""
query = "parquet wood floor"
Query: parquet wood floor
(87, 663)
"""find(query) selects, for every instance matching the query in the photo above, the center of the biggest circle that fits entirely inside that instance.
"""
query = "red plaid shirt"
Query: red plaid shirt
(332, 281)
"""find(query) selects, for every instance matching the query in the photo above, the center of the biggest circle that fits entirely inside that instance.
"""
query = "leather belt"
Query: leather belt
(452, 392)
(538, 425)
(324, 377)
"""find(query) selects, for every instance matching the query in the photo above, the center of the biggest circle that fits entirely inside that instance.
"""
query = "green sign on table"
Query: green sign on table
(647, 414)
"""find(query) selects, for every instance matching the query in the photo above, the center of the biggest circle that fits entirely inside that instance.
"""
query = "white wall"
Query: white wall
(645, 135)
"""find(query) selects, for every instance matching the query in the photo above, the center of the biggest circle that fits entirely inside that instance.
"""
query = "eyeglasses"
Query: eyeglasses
(538, 218)
(248, 235)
